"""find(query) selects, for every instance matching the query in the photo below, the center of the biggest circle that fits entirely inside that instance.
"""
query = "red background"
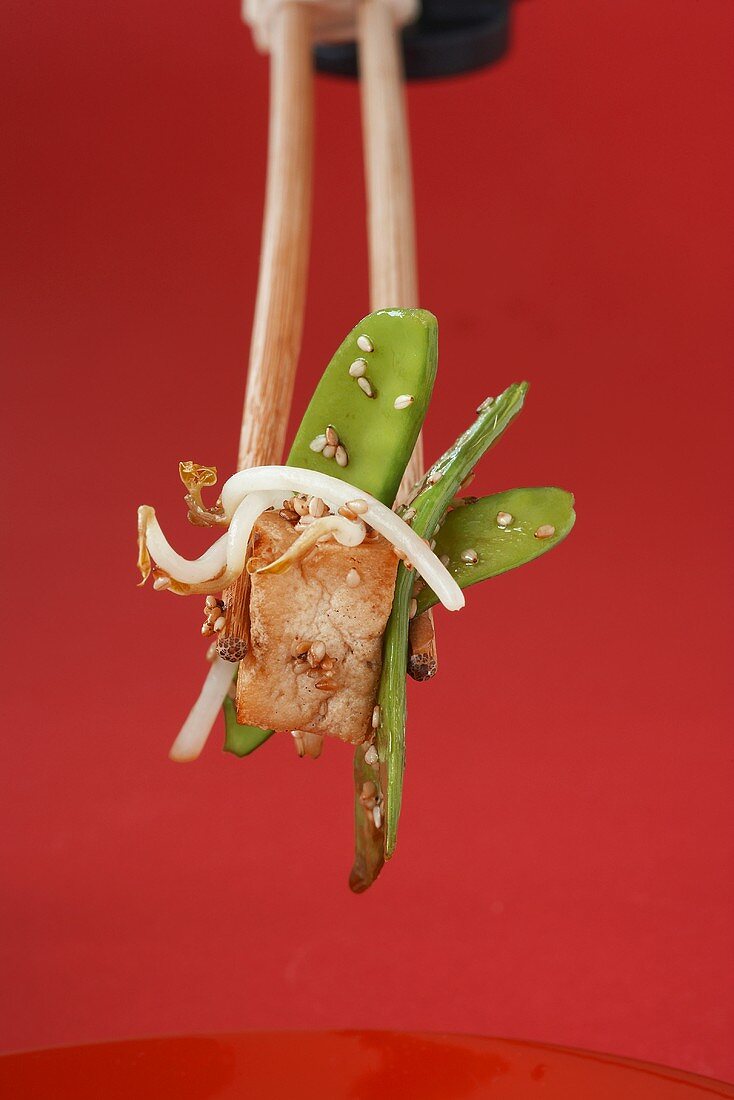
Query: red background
(564, 866)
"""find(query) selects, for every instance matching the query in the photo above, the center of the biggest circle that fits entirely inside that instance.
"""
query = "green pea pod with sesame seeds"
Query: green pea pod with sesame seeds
(430, 501)
(504, 530)
(375, 401)
(378, 437)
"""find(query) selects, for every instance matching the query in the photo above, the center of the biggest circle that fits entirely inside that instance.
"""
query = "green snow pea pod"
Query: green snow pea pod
(431, 500)
(241, 740)
(503, 531)
(374, 401)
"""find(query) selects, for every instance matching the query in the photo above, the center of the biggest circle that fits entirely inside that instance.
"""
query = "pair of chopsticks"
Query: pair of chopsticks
(281, 292)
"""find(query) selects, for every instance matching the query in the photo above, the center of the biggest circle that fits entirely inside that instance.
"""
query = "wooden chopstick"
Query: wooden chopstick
(389, 181)
(281, 289)
(391, 223)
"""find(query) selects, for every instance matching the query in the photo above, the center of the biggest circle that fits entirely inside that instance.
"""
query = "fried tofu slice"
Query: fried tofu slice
(313, 602)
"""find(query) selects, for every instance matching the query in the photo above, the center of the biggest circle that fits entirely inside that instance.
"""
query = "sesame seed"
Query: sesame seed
(329, 451)
(319, 650)
(371, 756)
(377, 816)
(323, 707)
(331, 436)
(364, 343)
(300, 506)
(409, 515)
(399, 553)
(365, 386)
(504, 519)
(219, 623)
(376, 717)
(353, 578)
(341, 456)
(328, 663)
(545, 531)
(161, 582)
(432, 544)
(444, 559)
(316, 507)
(403, 401)
(413, 609)
(347, 512)
(206, 630)
(358, 506)
(469, 557)
(358, 368)
(434, 477)
(211, 601)
(301, 648)
(486, 404)
(300, 668)
(326, 685)
(318, 443)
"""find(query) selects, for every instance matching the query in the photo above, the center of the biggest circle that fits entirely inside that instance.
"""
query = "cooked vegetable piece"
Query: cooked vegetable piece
(369, 845)
(501, 530)
(241, 740)
(356, 405)
(433, 496)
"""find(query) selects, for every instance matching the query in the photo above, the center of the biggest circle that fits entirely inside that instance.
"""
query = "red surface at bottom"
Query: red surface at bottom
(337, 1064)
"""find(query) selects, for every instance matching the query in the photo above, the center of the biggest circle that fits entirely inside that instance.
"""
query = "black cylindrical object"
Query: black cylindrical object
(450, 37)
